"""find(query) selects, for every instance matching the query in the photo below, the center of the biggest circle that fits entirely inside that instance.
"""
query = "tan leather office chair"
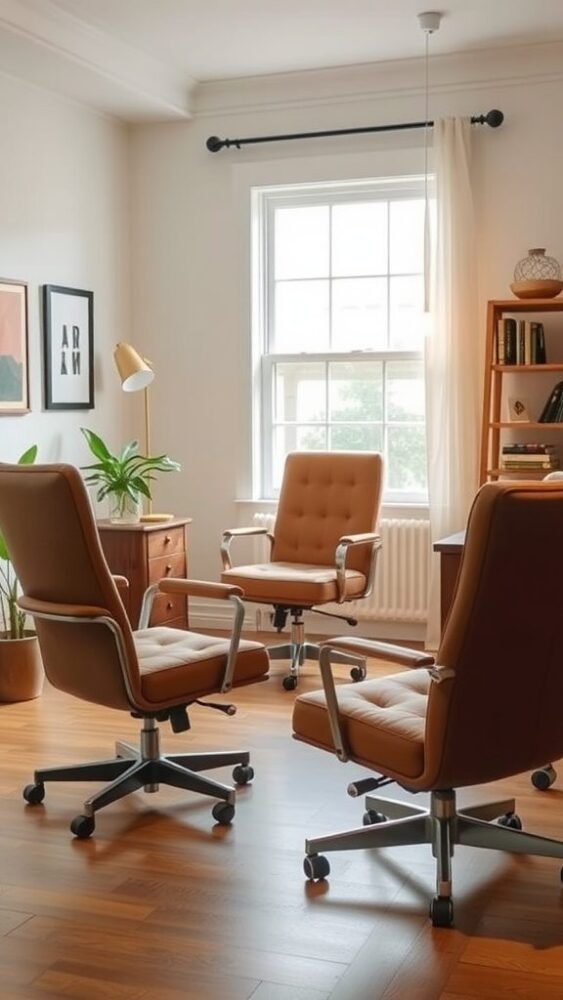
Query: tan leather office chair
(89, 650)
(489, 707)
(322, 549)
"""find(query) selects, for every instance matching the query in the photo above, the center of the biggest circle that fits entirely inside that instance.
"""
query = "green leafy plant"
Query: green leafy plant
(13, 620)
(124, 476)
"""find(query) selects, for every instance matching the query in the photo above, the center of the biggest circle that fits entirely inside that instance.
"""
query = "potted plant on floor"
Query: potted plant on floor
(125, 478)
(21, 669)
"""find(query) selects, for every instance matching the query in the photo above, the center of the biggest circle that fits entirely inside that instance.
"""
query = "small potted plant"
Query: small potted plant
(125, 478)
(21, 669)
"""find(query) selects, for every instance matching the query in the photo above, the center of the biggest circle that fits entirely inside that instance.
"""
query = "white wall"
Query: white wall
(190, 233)
(64, 220)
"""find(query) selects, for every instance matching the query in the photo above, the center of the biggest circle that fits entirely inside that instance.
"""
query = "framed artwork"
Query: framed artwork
(14, 377)
(68, 329)
(518, 410)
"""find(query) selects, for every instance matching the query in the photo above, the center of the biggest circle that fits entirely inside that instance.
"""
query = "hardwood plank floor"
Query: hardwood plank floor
(162, 904)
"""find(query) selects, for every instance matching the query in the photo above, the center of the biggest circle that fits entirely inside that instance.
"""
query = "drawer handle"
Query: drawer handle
(168, 568)
(169, 606)
(167, 539)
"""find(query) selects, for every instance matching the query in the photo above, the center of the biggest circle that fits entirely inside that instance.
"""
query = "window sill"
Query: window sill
(419, 511)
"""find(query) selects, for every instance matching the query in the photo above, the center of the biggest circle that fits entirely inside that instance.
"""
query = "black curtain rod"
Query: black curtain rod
(493, 118)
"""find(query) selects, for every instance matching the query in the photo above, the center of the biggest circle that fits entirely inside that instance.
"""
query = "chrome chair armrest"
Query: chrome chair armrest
(231, 533)
(200, 588)
(341, 554)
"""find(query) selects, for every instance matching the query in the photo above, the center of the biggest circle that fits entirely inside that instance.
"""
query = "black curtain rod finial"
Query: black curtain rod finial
(214, 144)
(494, 118)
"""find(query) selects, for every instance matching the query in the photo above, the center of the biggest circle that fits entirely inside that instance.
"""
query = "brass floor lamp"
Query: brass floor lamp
(137, 373)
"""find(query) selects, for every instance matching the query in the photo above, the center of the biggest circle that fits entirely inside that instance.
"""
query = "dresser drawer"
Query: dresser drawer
(166, 607)
(166, 542)
(173, 565)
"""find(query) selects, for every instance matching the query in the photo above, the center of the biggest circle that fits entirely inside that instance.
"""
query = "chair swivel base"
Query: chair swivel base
(147, 768)
(297, 650)
(391, 823)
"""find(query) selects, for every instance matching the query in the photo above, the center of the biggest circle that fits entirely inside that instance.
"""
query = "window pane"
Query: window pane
(406, 236)
(406, 311)
(301, 316)
(355, 391)
(406, 459)
(294, 438)
(300, 392)
(359, 314)
(356, 437)
(404, 390)
(301, 242)
(359, 238)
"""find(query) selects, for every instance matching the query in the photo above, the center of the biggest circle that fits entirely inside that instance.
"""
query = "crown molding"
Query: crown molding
(507, 66)
(50, 48)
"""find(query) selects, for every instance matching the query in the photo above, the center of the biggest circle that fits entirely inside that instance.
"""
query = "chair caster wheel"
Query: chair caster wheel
(441, 911)
(290, 682)
(510, 820)
(223, 813)
(372, 816)
(358, 674)
(34, 794)
(82, 826)
(316, 867)
(242, 774)
(543, 778)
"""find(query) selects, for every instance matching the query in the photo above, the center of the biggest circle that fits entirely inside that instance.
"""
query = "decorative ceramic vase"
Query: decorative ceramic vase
(537, 276)
(123, 509)
(21, 668)
(537, 267)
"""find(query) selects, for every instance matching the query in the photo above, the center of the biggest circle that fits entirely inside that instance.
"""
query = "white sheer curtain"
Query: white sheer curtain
(452, 349)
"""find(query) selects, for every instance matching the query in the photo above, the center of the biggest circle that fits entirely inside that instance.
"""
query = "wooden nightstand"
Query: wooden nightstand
(145, 553)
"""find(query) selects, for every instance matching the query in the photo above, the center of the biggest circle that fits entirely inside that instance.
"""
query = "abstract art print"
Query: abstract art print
(14, 381)
(68, 318)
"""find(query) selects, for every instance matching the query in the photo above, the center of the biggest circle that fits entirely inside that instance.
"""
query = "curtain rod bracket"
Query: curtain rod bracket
(214, 144)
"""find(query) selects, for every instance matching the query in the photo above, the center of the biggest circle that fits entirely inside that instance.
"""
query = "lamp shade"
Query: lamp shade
(134, 371)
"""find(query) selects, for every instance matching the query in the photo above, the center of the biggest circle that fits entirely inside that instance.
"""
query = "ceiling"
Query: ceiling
(214, 39)
(142, 59)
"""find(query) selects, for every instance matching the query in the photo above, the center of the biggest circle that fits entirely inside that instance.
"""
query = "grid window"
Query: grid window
(339, 286)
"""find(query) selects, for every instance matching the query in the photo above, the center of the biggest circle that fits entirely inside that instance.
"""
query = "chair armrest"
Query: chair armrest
(52, 609)
(378, 650)
(341, 553)
(121, 582)
(200, 588)
(381, 651)
(231, 533)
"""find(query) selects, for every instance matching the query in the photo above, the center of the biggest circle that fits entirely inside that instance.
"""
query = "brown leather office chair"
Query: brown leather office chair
(489, 707)
(89, 650)
(322, 549)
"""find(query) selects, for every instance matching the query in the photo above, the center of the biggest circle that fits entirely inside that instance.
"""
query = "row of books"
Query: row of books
(552, 412)
(524, 457)
(519, 342)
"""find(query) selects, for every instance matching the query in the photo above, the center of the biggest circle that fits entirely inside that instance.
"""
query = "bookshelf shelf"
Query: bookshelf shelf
(493, 426)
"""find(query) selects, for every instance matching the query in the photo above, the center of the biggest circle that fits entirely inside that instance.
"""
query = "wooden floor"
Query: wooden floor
(162, 904)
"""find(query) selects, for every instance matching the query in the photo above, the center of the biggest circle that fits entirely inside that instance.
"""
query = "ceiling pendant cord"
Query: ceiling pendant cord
(429, 22)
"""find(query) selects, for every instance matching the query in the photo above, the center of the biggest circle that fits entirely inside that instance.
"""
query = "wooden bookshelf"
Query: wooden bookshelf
(494, 392)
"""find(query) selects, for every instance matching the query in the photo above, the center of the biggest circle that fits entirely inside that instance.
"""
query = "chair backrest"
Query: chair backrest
(326, 495)
(503, 711)
(50, 531)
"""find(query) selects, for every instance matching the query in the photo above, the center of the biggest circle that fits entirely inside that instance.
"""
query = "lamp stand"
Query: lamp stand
(150, 516)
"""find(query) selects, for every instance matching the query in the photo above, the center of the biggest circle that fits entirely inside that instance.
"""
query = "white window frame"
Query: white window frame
(264, 202)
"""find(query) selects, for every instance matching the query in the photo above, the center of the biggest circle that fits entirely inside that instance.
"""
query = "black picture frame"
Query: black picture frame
(68, 348)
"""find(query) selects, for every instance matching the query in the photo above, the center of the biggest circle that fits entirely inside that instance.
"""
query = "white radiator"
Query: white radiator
(400, 592)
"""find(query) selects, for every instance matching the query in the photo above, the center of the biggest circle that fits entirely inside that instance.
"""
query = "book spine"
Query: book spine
(501, 343)
(552, 405)
(510, 341)
(527, 343)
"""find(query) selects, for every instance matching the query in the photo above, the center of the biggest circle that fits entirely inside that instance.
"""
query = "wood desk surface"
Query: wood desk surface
(452, 543)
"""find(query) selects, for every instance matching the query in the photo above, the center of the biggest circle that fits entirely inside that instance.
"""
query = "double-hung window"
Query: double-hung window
(338, 309)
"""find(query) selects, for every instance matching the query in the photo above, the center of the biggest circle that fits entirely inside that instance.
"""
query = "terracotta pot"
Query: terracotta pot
(21, 668)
